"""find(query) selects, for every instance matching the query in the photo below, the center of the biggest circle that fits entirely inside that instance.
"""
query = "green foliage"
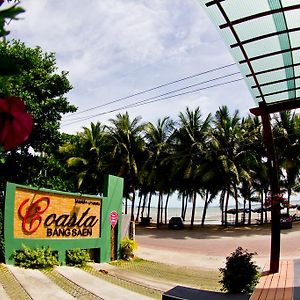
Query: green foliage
(240, 274)
(78, 257)
(42, 88)
(127, 247)
(85, 155)
(37, 258)
(8, 14)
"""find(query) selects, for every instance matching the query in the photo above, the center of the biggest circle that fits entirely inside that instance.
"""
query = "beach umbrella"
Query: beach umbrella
(15, 123)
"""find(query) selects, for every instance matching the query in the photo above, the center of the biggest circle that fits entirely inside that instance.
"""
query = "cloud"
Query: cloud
(115, 48)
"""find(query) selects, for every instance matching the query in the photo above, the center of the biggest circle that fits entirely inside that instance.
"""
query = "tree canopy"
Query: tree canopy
(43, 89)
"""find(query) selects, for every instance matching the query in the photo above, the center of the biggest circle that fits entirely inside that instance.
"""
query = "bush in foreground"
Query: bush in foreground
(37, 258)
(77, 257)
(240, 274)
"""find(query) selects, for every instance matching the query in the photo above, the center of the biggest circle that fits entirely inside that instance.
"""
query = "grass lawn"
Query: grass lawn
(201, 279)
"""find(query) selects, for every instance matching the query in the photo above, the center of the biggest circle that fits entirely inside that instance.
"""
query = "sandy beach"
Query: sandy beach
(208, 247)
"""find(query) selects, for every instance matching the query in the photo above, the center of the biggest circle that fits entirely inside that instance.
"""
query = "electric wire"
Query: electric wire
(152, 89)
(174, 91)
(149, 100)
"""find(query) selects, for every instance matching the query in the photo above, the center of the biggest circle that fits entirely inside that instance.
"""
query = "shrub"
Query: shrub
(127, 247)
(240, 274)
(37, 258)
(78, 257)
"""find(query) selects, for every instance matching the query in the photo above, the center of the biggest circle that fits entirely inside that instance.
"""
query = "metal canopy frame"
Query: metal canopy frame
(264, 39)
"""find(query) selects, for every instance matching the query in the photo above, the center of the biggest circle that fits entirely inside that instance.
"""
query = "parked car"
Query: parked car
(176, 223)
(286, 221)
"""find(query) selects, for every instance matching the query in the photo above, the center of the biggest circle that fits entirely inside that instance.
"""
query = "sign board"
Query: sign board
(113, 218)
(37, 217)
(48, 215)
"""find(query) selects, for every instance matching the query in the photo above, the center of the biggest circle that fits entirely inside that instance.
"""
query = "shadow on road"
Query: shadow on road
(209, 231)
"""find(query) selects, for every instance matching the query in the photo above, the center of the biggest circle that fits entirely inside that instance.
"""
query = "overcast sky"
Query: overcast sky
(116, 48)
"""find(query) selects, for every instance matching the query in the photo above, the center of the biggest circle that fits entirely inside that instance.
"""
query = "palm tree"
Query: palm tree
(158, 140)
(231, 154)
(127, 151)
(252, 142)
(210, 181)
(191, 141)
(86, 157)
(287, 137)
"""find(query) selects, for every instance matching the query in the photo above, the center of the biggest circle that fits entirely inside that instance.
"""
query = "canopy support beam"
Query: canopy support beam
(274, 185)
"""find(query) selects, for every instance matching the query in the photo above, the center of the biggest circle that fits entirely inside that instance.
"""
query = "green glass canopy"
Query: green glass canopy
(264, 39)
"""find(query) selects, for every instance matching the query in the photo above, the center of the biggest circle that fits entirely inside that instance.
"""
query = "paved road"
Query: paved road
(208, 247)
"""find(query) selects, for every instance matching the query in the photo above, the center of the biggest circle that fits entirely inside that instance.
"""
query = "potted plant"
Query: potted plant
(127, 247)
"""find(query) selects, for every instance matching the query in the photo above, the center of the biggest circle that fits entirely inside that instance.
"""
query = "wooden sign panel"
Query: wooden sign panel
(43, 215)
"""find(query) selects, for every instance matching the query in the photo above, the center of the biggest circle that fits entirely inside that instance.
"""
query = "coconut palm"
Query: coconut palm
(86, 157)
(158, 140)
(231, 155)
(190, 148)
(126, 146)
(287, 141)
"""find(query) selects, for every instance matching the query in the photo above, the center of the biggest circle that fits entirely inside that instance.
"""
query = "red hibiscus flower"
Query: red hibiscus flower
(15, 123)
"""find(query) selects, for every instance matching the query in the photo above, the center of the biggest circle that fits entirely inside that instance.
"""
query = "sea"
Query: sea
(213, 214)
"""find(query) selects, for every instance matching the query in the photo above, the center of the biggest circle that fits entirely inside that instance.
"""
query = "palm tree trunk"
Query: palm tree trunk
(139, 208)
(158, 210)
(289, 200)
(185, 206)
(149, 205)
(226, 206)
(126, 205)
(161, 208)
(244, 212)
(262, 208)
(193, 209)
(222, 197)
(204, 208)
(236, 206)
(166, 208)
(182, 205)
(132, 205)
(144, 204)
(249, 216)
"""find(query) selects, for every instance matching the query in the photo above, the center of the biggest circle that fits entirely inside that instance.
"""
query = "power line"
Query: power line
(174, 91)
(147, 101)
(152, 89)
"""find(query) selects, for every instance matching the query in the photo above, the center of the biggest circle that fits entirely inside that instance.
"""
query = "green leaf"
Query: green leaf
(11, 12)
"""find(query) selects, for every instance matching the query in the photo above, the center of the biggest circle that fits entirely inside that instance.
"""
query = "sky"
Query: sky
(114, 49)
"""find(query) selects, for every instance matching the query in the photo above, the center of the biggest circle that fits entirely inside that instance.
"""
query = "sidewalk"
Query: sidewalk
(3, 295)
(37, 285)
(97, 286)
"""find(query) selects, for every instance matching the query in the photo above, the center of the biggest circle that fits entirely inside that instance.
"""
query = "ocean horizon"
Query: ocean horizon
(213, 213)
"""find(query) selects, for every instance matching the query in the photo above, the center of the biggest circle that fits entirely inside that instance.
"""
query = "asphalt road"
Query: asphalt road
(208, 247)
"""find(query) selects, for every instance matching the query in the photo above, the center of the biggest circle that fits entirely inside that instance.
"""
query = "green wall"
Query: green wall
(111, 201)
